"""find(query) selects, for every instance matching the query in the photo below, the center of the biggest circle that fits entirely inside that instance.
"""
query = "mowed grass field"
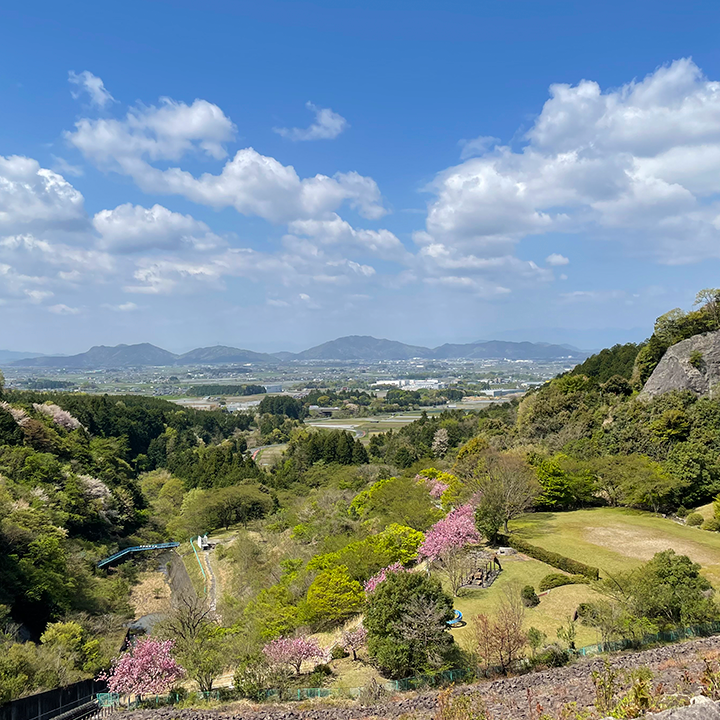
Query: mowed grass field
(553, 611)
(612, 539)
(619, 539)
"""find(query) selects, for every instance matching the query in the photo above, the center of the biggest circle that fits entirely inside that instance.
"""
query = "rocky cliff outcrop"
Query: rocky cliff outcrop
(693, 364)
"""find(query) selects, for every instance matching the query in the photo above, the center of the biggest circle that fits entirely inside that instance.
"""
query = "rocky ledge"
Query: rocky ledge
(692, 364)
(676, 668)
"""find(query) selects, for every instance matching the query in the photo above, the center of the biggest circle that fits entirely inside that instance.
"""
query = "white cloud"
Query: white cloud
(327, 126)
(63, 167)
(555, 259)
(336, 231)
(79, 259)
(61, 309)
(252, 183)
(34, 198)
(92, 85)
(123, 307)
(167, 132)
(129, 228)
(477, 146)
(37, 296)
(640, 163)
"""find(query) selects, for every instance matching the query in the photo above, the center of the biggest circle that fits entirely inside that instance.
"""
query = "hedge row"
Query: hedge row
(551, 558)
(554, 580)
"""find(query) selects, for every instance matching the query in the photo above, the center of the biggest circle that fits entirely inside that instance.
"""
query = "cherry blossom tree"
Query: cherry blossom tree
(435, 487)
(375, 580)
(292, 652)
(353, 640)
(445, 544)
(148, 667)
(59, 416)
(456, 530)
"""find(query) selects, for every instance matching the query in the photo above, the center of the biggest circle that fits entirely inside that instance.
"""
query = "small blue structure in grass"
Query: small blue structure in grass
(456, 620)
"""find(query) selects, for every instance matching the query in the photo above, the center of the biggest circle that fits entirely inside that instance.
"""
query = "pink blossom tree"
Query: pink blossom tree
(446, 541)
(147, 667)
(375, 580)
(292, 652)
(59, 416)
(353, 640)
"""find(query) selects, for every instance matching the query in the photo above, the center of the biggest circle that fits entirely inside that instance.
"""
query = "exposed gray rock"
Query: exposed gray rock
(675, 372)
(702, 709)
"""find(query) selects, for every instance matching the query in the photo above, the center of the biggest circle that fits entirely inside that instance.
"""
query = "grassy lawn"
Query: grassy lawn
(548, 616)
(619, 539)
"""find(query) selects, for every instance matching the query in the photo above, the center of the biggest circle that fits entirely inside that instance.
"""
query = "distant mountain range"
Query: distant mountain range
(8, 356)
(353, 347)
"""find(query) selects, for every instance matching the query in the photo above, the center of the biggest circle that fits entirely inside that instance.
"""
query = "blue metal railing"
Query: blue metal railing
(136, 548)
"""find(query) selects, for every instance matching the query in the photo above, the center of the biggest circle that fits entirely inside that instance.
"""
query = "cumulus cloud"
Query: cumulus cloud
(92, 85)
(640, 163)
(129, 228)
(555, 259)
(335, 231)
(35, 198)
(252, 183)
(327, 126)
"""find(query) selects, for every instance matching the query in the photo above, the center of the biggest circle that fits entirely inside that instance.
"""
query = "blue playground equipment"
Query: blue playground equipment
(456, 620)
(136, 548)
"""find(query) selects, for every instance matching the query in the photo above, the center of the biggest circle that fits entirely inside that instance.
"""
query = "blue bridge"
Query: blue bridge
(136, 548)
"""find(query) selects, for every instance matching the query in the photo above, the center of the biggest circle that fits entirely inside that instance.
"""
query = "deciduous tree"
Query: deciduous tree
(147, 667)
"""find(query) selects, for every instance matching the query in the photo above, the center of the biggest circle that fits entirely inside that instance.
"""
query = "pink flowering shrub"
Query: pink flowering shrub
(148, 667)
(59, 416)
(435, 487)
(292, 651)
(353, 640)
(455, 531)
(375, 580)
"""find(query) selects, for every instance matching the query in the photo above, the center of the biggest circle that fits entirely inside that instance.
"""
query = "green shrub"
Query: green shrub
(319, 675)
(696, 359)
(552, 656)
(338, 652)
(561, 562)
(554, 580)
(529, 596)
(252, 678)
(682, 512)
(713, 525)
(694, 519)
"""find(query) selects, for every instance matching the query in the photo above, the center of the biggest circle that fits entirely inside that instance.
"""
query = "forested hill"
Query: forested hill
(70, 491)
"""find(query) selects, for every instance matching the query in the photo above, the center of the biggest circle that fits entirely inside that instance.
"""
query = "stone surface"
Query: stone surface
(697, 711)
(674, 371)
(676, 667)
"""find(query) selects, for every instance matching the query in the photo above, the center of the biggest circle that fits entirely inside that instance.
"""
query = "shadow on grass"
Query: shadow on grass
(534, 525)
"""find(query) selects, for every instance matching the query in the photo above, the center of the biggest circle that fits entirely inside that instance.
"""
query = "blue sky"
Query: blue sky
(273, 175)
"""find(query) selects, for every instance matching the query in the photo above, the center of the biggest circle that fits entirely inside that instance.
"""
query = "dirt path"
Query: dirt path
(211, 583)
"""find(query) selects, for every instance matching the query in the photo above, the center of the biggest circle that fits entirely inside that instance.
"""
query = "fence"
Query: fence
(704, 630)
(112, 700)
(46, 705)
(423, 681)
